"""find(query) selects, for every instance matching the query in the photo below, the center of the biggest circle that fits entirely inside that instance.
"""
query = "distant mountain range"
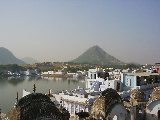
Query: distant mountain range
(29, 60)
(96, 55)
(7, 57)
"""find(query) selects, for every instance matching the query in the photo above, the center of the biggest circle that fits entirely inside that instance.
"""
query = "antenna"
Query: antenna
(34, 88)
(17, 96)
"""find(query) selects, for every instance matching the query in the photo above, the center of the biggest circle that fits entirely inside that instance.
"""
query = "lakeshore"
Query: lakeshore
(65, 76)
(113, 86)
(9, 86)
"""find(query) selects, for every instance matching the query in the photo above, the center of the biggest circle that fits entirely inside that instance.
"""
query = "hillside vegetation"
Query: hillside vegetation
(7, 57)
(96, 55)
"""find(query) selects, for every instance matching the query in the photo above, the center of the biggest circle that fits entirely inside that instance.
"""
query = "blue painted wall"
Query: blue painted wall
(132, 80)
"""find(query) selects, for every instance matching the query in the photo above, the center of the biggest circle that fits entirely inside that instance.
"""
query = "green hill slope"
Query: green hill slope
(29, 60)
(7, 57)
(95, 55)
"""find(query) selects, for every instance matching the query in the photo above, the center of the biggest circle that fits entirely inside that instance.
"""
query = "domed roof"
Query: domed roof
(155, 95)
(108, 98)
(35, 106)
(137, 95)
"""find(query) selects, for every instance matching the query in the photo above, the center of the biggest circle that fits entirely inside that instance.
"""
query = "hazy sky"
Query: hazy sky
(61, 30)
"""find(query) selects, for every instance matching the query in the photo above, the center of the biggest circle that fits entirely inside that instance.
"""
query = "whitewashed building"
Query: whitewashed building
(59, 72)
(75, 101)
(29, 72)
(95, 81)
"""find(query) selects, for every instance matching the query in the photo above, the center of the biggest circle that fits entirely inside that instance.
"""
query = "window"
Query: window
(128, 82)
(72, 109)
(94, 76)
(109, 84)
(158, 114)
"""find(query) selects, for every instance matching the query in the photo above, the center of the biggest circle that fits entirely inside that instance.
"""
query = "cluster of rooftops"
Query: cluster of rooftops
(120, 98)
(38, 106)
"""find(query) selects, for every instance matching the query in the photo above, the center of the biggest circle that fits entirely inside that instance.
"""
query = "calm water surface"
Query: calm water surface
(9, 86)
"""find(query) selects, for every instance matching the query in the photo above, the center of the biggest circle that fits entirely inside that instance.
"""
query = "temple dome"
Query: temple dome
(108, 99)
(137, 95)
(36, 106)
(155, 95)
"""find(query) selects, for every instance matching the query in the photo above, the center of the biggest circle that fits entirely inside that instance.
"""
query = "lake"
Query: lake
(9, 86)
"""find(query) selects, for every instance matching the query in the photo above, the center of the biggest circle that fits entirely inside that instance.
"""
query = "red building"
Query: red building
(157, 67)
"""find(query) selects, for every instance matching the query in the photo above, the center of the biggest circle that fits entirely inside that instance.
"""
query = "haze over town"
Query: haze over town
(60, 30)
